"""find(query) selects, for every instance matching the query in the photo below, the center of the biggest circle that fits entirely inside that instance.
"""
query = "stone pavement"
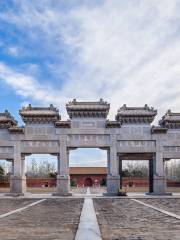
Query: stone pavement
(88, 228)
(119, 218)
(50, 220)
(123, 219)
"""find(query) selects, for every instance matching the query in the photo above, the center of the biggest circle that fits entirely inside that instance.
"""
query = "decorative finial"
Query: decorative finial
(51, 107)
(169, 111)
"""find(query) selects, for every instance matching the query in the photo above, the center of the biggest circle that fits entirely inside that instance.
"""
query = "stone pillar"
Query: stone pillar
(159, 181)
(120, 172)
(113, 178)
(18, 179)
(151, 171)
(12, 167)
(63, 178)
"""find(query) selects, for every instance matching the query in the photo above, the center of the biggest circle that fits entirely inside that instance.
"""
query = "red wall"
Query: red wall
(80, 179)
(39, 182)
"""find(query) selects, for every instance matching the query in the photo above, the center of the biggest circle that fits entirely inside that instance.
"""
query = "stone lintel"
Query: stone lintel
(158, 130)
(63, 124)
(112, 124)
(16, 130)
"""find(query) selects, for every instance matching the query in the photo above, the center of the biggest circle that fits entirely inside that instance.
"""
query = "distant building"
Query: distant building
(88, 176)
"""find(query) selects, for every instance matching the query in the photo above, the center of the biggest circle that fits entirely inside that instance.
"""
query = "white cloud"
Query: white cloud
(13, 51)
(28, 87)
(125, 51)
(88, 157)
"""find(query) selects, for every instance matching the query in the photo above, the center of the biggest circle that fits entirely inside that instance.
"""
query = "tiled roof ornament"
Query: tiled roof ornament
(77, 109)
(170, 120)
(7, 120)
(31, 114)
(136, 115)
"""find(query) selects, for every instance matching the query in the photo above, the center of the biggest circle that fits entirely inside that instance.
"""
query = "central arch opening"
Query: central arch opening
(88, 168)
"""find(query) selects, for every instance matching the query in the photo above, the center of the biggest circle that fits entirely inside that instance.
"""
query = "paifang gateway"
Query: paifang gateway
(129, 137)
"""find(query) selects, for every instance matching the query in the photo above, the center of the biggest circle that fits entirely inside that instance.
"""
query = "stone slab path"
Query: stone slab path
(88, 228)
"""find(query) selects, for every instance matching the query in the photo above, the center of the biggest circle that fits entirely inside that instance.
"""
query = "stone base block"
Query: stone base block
(14, 194)
(63, 185)
(113, 185)
(17, 185)
(159, 194)
(159, 185)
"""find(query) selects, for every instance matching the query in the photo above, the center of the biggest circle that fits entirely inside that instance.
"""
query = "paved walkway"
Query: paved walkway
(88, 226)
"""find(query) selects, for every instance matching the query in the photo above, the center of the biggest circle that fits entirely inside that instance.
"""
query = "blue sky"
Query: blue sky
(121, 51)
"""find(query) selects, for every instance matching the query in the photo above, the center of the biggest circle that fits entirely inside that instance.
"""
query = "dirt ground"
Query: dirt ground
(124, 219)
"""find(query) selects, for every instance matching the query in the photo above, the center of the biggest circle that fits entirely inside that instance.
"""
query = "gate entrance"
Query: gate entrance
(88, 168)
(88, 182)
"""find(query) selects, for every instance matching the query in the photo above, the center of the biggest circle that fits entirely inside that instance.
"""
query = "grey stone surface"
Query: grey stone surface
(50, 220)
(171, 205)
(126, 220)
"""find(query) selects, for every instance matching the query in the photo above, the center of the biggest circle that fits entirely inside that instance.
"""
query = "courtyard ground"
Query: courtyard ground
(49, 220)
(118, 218)
(124, 219)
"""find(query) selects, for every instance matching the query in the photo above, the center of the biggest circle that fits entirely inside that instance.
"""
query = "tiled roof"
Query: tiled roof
(170, 120)
(87, 109)
(39, 114)
(88, 170)
(7, 120)
(136, 114)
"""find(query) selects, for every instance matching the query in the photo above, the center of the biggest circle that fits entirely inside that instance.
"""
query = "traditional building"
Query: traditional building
(88, 176)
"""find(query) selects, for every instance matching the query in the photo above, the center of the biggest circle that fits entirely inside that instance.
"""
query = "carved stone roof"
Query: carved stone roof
(112, 124)
(170, 120)
(136, 114)
(63, 124)
(7, 120)
(17, 130)
(87, 109)
(39, 114)
(158, 129)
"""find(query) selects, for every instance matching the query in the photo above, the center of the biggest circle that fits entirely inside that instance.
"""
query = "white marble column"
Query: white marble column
(159, 181)
(113, 178)
(63, 178)
(12, 167)
(18, 179)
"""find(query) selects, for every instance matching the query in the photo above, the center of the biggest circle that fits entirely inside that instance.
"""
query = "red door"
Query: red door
(88, 182)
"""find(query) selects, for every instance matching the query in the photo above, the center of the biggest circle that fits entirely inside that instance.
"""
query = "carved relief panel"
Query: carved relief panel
(88, 140)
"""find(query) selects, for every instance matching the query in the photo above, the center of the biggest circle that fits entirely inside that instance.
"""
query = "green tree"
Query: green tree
(73, 183)
(1, 171)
